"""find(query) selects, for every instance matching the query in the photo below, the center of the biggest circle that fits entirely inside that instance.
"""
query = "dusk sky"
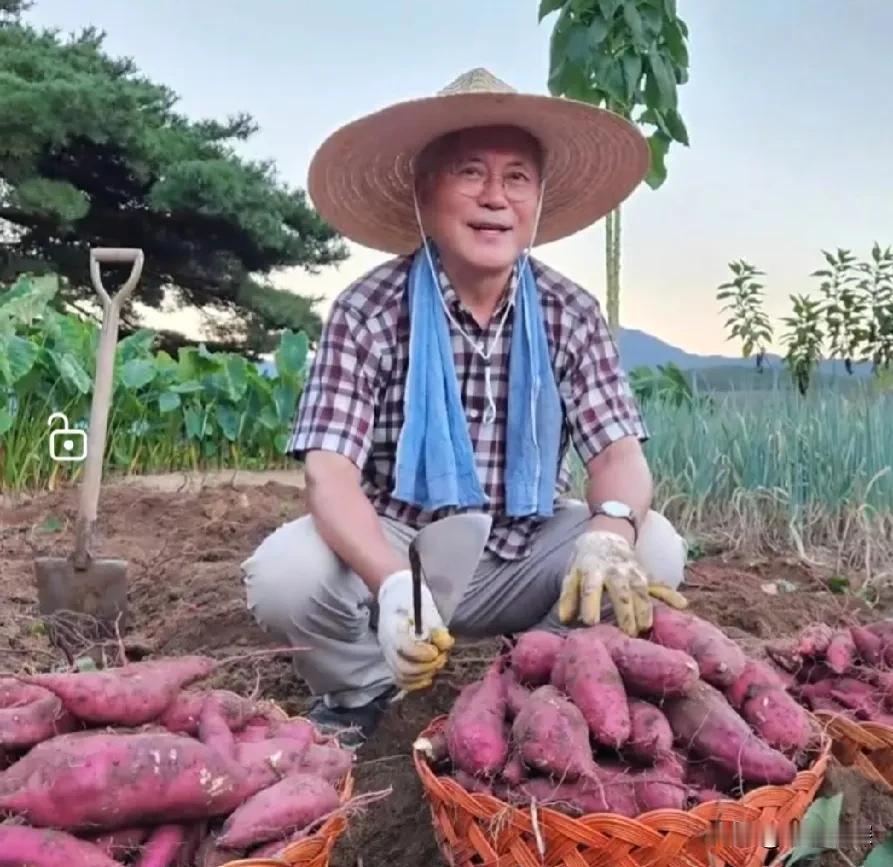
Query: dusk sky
(788, 109)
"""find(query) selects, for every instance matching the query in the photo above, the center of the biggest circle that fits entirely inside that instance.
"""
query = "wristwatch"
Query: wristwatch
(616, 509)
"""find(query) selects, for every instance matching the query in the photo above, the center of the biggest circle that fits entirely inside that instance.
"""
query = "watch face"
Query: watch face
(615, 509)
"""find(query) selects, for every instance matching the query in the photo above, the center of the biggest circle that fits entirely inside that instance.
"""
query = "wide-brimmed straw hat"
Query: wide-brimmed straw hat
(361, 178)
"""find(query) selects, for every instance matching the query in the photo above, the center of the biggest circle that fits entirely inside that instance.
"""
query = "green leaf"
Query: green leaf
(657, 173)
(190, 386)
(137, 373)
(578, 45)
(228, 419)
(19, 355)
(71, 371)
(662, 93)
(675, 41)
(653, 20)
(839, 584)
(636, 25)
(632, 72)
(547, 7)
(5, 420)
(598, 30)
(818, 830)
(168, 401)
(268, 418)
(608, 8)
(194, 423)
(881, 855)
(675, 126)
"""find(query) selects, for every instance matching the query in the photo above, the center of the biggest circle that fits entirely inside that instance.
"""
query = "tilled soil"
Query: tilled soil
(184, 550)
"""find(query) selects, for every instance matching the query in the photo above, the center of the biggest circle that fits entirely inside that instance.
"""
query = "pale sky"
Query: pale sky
(789, 111)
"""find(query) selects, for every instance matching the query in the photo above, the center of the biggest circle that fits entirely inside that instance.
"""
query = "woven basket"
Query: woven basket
(476, 830)
(866, 746)
(312, 851)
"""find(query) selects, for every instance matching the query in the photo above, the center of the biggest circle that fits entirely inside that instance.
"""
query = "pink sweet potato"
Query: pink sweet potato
(514, 772)
(857, 695)
(813, 640)
(534, 655)
(720, 661)
(646, 668)
(706, 796)
(298, 729)
(131, 695)
(476, 729)
(515, 694)
(868, 644)
(551, 735)
(182, 714)
(756, 677)
(841, 652)
(162, 847)
(581, 797)
(650, 734)
(117, 844)
(211, 855)
(213, 730)
(100, 781)
(591, 680)
(20, 846)
(659, 787)
(30, 714)
(288, 806)
(705, 774)
(707, 725)
(779, 720)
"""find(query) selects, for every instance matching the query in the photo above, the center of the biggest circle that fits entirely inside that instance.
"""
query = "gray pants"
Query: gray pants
(300, 592)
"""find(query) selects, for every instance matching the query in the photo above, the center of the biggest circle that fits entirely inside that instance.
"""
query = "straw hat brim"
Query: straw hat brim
(360, 179)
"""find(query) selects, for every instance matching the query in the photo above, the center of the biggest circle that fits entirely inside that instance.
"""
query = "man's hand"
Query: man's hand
(414, 660)
(606, 561)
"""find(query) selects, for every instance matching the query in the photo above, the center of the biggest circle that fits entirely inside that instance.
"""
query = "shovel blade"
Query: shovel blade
(99, 591)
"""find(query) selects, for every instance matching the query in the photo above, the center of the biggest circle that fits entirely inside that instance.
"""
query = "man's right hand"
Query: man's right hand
(414, 660)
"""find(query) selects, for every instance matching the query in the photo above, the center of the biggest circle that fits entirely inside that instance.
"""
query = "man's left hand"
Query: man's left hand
(606, 561)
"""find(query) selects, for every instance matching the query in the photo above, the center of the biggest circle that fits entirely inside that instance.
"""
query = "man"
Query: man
(454, 377)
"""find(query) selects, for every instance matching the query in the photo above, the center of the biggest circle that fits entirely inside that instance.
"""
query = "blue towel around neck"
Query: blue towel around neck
(435, 462)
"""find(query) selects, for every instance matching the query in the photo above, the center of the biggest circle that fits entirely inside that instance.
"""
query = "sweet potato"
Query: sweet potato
(162, 847)
(131, 695)
(705, 774)
(883, 629)
(117, 844)
(706, 796)
(779, 720)
(706, 724)
(515, 694)
(659, 787)
(211, 855)
(720, 661)
(213, 730)
(868, 644)
(551, 735)
(476, 729)
(648, 669)
(857, 695)
(813, 640)
(514, 772)
(650, 734)
(20, 845)
(591, 680)
(99, 781)
(534, 655)
(298, 729)
(583, 796)
(756, 677)
(841, 652)
(30, 714)
(288, 806)
(182, 714)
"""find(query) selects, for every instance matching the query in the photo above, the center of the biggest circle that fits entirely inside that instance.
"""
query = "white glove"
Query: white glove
(606, 561)
(414, 660)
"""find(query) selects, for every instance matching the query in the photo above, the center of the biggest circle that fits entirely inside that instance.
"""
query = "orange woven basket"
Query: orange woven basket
(866, 746)
(477, 830)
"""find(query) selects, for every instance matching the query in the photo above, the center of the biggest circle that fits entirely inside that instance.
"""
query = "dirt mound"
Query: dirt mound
(184, 550)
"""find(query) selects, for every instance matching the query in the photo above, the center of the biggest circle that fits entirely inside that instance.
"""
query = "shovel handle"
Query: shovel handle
(99, 255)
(102, 391)
(415, 565)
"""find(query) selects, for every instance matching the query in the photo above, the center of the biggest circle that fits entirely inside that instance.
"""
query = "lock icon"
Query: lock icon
(67, 444)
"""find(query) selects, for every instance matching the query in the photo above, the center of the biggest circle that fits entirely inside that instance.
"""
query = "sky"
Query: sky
(788, 110)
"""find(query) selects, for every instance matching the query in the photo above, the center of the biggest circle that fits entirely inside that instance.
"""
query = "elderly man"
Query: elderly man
(454, 377)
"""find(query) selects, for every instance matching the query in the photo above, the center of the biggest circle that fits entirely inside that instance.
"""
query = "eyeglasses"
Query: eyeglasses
(471, 180)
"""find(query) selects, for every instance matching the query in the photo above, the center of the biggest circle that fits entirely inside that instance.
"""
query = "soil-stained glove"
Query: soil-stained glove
(606, 561)
(414, 660)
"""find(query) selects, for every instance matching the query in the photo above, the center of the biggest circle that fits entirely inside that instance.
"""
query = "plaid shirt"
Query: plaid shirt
(352, 402)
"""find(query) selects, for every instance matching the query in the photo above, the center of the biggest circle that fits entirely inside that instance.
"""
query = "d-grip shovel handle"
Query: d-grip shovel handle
(102, 390)
(415, 565)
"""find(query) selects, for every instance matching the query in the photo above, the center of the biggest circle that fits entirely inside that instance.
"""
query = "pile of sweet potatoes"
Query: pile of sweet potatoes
(847, 671)
(132, 765)
(600, 722)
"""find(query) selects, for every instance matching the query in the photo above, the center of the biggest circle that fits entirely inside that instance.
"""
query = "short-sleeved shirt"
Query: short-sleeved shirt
(352, 402)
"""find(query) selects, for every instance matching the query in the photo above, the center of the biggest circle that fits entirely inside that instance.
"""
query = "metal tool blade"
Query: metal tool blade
(448, 552)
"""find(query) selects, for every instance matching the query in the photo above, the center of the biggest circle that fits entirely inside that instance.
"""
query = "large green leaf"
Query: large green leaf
(609, 7)
(190, 386)
(194, 421)
(138, 373)
(658, 144)
(168, 401)
(632, 72)
(881, 855)
(660, 91)
(285, 396)
(18, 356)
(819, 830)
(675, 126)
(136, 345)
(5, 420)
(28, 297)
(228, 419)
(547, 7)
(635, 24)
(232, 379)
(72, 372)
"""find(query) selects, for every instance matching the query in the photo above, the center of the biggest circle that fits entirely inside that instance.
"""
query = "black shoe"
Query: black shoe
(352, 725)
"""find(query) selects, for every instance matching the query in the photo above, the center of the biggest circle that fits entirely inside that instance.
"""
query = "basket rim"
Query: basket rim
(725, 809)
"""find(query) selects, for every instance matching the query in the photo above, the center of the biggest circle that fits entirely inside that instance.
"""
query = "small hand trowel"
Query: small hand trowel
(80, 583)
(445, 554)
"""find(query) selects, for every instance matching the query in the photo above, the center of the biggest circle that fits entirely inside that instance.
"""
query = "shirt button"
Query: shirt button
(474, 414)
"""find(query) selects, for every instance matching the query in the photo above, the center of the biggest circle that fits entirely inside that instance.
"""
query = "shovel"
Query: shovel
(80, 583)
